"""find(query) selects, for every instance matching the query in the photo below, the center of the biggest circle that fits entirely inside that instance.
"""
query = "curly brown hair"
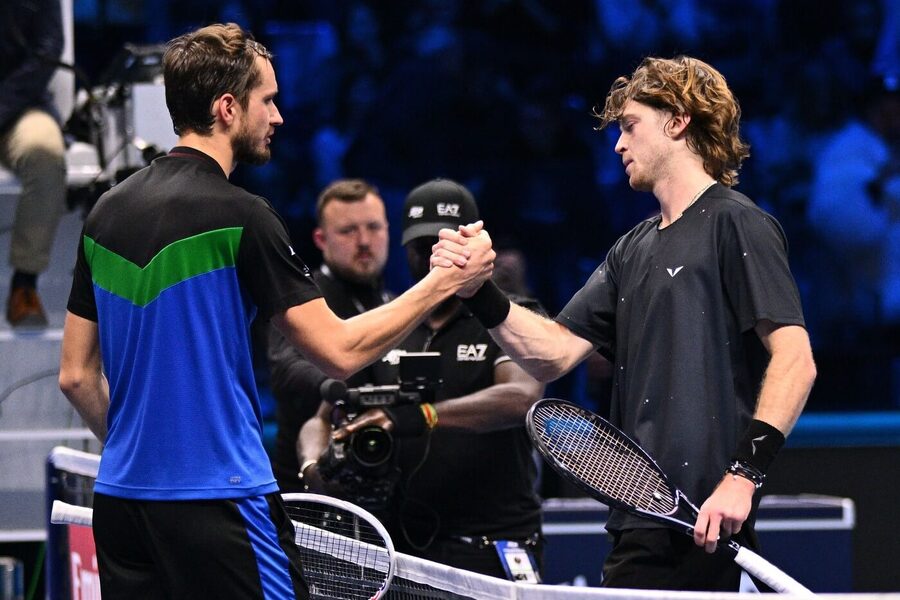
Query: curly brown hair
(200, 66)
(685, 85)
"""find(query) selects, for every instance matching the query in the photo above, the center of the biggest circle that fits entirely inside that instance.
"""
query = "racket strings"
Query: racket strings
(601, 458)
(342, 556)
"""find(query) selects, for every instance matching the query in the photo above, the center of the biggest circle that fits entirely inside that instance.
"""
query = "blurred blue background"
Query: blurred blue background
(498, 94)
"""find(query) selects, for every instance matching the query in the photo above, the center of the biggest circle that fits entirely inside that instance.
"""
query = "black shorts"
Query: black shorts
(665, 559)
(238, 548)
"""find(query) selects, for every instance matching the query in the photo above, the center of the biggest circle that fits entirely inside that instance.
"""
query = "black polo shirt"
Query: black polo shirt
(476, 483)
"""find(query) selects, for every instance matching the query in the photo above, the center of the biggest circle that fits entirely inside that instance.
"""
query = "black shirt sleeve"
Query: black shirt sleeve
(591, 313)
(755, 271)
(275, 276)
(81, 298)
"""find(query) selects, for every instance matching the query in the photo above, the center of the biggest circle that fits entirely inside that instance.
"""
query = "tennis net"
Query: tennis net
(72, 567)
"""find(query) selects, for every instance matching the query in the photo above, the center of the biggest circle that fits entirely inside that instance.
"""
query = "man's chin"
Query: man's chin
(640, 185)
(257, 157)
(363, 277)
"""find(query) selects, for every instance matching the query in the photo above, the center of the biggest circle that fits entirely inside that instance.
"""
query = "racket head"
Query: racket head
(346, 552)
(592, 454)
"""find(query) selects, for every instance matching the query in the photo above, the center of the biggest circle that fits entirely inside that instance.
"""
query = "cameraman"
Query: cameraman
(467, 477)
(352, 234)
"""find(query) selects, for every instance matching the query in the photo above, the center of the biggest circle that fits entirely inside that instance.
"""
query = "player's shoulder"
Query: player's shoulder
(727, 200)
(734, 212)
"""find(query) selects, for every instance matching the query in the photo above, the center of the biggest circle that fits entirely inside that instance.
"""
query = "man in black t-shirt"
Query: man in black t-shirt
(697, 308)
(466, 472)
(352, 234)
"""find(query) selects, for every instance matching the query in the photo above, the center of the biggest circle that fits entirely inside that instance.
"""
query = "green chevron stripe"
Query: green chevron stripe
(175, 263)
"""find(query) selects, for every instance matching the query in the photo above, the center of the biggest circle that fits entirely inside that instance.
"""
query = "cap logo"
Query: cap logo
(416, 212)
(447, 210)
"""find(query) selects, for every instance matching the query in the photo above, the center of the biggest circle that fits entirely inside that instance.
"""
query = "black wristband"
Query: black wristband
(409, 420)
(759, 445)
(489, 305)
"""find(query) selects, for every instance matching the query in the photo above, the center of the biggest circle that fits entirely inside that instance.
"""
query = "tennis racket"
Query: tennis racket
(346, 552)
(591, 453)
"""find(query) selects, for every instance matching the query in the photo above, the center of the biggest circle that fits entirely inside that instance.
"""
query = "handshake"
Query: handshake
(464, 258)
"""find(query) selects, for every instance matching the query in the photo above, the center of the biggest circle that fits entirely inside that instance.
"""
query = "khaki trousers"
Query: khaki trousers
(33, 149)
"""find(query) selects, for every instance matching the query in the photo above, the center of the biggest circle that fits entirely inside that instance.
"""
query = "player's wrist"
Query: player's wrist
(755, 452)
(489, 305)
(304, 473)
(758, 446)
(738, 469)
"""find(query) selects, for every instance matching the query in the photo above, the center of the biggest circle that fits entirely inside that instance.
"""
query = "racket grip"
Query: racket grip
(771, 575)
(62, 514)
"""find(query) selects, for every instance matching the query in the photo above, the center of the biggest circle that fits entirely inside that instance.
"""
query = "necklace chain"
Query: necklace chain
(697, 197)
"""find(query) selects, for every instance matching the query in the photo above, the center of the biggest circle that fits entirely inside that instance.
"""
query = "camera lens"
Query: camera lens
(372, 446)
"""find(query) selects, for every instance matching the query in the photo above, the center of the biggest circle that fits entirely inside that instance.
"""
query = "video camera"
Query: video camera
(364, 464)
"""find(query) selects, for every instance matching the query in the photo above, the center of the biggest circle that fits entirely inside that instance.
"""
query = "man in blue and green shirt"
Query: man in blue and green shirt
(173, 265)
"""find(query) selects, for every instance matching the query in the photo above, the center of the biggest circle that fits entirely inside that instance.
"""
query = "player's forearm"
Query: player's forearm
(540, 346)
(786, 386)
(312, 439)
(498, 407)
(366, 337)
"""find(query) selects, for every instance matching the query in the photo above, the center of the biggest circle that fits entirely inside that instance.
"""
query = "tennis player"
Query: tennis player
(700, 313)
(173, 265)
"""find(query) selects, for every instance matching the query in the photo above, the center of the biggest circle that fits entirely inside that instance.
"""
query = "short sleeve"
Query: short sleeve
(268, 267)
(82, 301)
(755, 271)
(591, 313)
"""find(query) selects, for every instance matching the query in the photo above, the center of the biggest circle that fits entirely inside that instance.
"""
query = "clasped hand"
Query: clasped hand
(469, 251)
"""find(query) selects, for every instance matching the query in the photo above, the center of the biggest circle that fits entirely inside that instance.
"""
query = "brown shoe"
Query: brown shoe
(24, 309)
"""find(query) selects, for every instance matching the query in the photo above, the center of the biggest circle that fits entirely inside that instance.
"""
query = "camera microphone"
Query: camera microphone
(333, 390)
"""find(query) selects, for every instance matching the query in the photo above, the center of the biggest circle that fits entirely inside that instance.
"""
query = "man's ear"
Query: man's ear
(677, 125)
(319, 238)
(225, 109)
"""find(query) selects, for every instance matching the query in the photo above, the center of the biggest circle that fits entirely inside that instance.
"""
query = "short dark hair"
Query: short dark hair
(201, 66)
(343, 190)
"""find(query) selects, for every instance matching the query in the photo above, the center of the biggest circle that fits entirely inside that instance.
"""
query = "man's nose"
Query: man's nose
(275, 117)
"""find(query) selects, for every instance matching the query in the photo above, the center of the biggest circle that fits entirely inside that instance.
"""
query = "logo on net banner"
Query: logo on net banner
(83, 563)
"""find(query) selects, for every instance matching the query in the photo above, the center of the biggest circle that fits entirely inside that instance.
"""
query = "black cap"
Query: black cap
(436, 205)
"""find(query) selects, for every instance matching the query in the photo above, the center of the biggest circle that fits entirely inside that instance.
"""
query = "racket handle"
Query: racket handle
(63, 513)
(771, 575)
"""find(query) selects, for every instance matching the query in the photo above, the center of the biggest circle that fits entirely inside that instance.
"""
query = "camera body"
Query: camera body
(365, 463)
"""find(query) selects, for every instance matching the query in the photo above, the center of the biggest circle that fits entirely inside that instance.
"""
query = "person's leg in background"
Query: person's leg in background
(34, 150)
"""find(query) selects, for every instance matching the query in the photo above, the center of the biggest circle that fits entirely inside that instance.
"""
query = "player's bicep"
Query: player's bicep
(776, 337)
(80, 345)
